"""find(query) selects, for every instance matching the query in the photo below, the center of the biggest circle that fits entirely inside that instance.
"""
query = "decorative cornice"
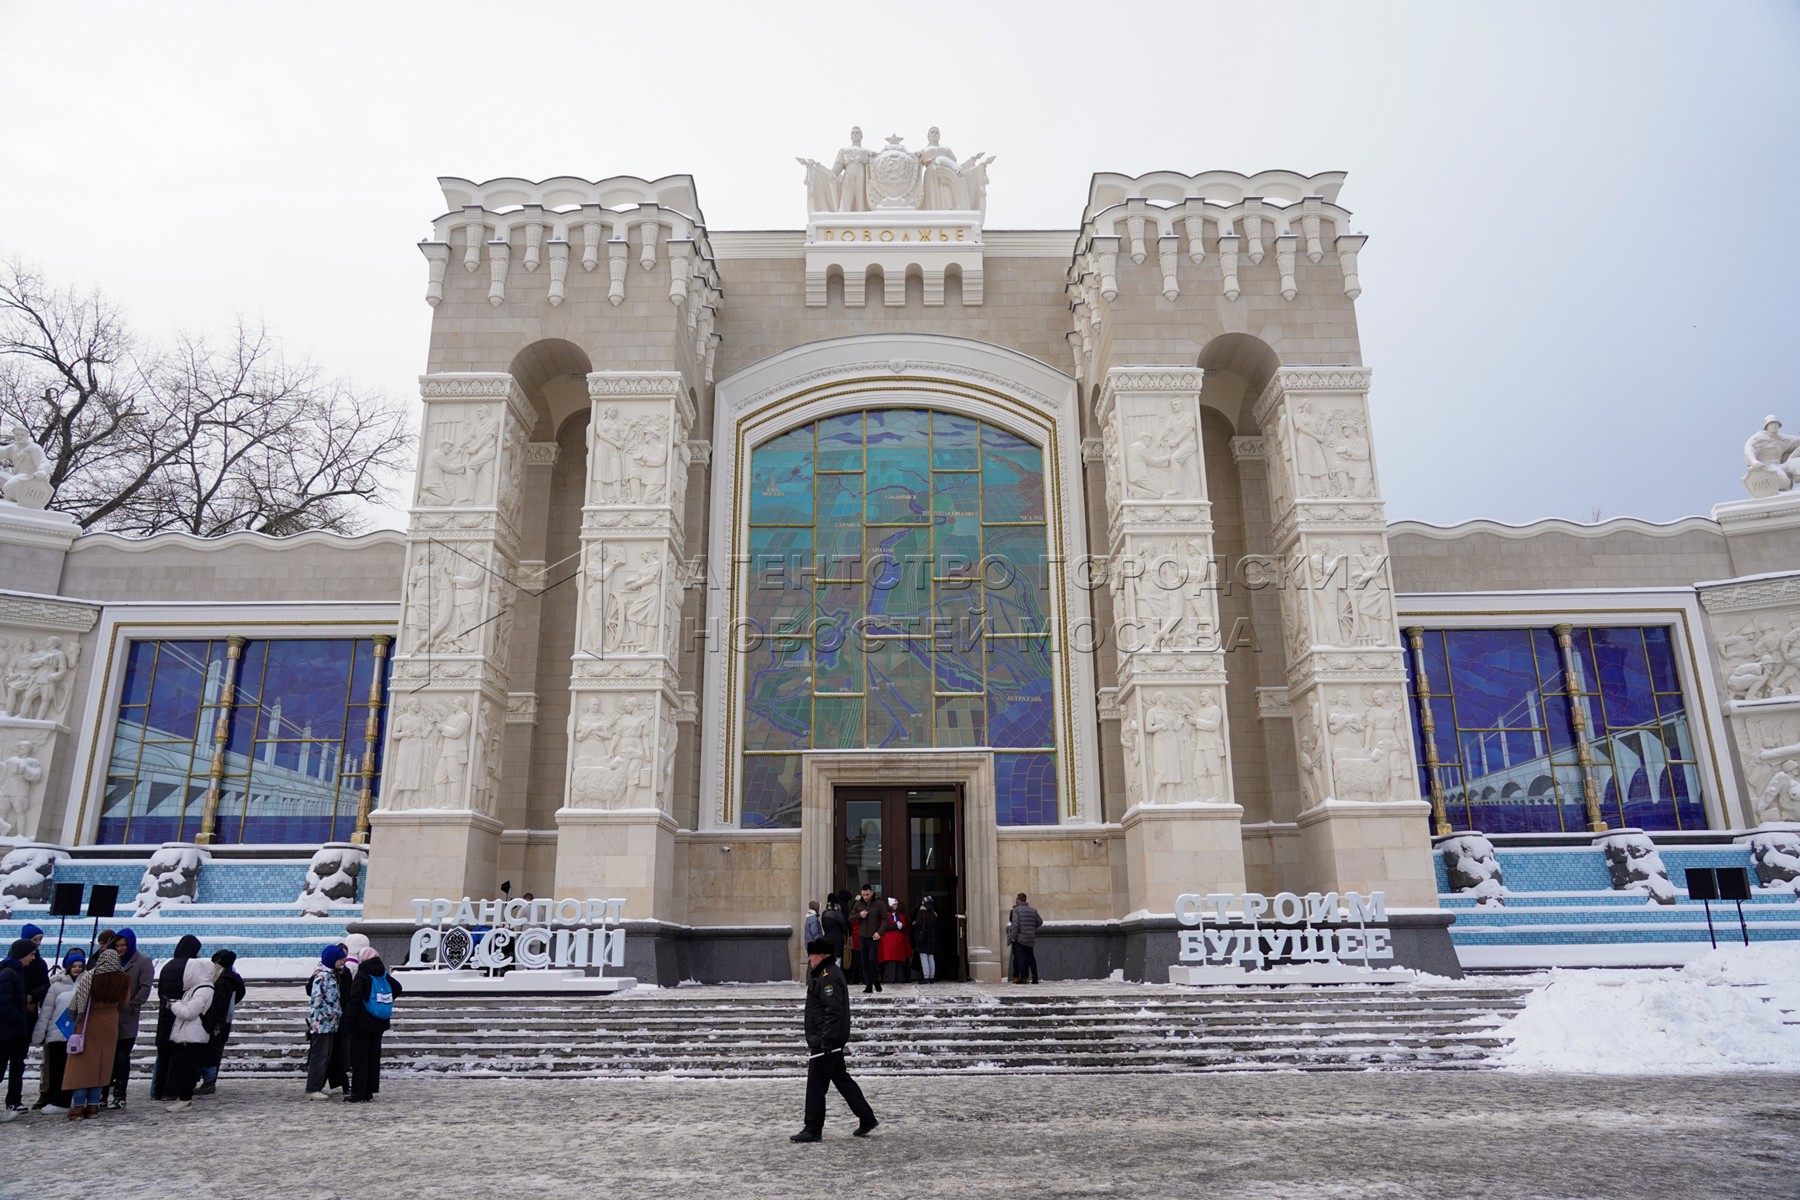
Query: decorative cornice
(1170, 666)
(1272, 704)
(700, 451)
(1776, 592)
(1533, 529)
(922, 370)
(36, 613)
(1310, 381)
(521, 708)
(1248, 449)
(541, 454)
(1093, 450)
(478, 387)
(1147, 380)
(687, 707)
(647, 384)
(242, 540)
(1107, 702)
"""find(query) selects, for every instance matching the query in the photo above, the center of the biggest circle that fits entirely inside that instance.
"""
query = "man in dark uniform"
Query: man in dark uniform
(827, 1030)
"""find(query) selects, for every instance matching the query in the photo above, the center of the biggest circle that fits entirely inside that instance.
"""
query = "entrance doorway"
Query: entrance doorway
(906, 842)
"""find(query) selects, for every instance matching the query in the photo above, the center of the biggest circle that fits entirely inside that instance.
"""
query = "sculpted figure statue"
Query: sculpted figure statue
(944, 187)
(406, 773)
(852, 171)
(27, 484)
(822, 187)
(610, 449)
(452, 763)
(1168, 766)
(18, 775)
(1772, 459)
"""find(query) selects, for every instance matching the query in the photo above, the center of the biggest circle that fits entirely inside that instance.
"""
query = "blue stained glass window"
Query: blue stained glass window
(1504, 724)
(924, 615)
(295, 740)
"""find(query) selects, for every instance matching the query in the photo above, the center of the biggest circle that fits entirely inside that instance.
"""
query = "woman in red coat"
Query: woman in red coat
(895, 947)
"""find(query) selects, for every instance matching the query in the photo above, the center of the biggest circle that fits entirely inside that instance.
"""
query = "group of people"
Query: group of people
(350, 1004)
(85, 1013)
(877, 938)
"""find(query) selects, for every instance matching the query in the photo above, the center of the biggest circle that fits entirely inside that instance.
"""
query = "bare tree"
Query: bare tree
(200, 437)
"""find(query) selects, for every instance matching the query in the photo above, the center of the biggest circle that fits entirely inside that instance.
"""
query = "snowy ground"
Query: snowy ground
(1731, 1008)
(1358, 1136)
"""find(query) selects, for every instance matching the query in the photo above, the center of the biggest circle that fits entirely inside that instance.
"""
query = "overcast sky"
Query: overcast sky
(1579, 288)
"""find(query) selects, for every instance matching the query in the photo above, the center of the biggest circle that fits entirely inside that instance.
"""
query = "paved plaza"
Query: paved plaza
(1351, 1136)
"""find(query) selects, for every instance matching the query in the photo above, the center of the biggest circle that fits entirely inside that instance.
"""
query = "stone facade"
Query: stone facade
(564, 701)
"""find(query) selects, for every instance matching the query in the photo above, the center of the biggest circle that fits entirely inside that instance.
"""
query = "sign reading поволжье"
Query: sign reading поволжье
(1319, 927)
(517, 933)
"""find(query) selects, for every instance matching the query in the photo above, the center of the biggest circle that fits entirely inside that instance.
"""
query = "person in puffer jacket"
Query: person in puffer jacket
(52, 1038)
(324, 1013)
(188, 1037)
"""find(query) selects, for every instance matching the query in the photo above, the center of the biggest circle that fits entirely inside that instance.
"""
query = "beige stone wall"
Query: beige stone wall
(1067, 875)
(756, 882)
(556, 626)
(1476, 561)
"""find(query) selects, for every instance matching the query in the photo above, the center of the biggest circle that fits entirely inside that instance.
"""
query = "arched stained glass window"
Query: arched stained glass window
(897, 597)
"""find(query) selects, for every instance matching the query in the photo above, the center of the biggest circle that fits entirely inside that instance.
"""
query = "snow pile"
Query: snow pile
(171, 877)
(1723, 1011)
(331, 878)
(1776, 854)
(25, 875)
(1636, 866)
(1474, 870)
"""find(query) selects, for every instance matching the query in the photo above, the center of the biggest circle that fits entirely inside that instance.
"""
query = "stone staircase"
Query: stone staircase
(946, 1029)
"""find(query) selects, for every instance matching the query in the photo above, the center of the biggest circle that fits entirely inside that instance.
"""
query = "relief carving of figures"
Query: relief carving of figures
(630, 456)
(603, 562)
(1367, 773)
(512, 474)
(1309, 753)
(451, 726)
(1208, 721)
(1163, 455)
(1779, 799)
(612, 755)
(1165, 724)
(444, 602)
(631, 617)
(20, 773)
(1333, 606)
(491, 731)
(27, 483)
(1131, 736)
(35, 682)
(1172, 608)
(1331, 452)
(455, 468)
(1370, 613)
(1772, 460)
(1762, 657)
(405, 776)
(1765, 741)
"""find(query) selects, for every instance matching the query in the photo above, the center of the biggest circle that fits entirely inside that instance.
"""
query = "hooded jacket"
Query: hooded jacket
(169, 987)
(37, 974)
(196, 997)
(56, 1002)
(15, 995)
(142, 973)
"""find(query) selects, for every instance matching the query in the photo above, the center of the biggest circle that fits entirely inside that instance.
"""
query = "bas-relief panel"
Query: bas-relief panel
(1759, 653)
(1176, 738)
(1161, 440)
(1328, 447)
(450, 589)
(626, 599)
(1769, 743)
(443, 749)
(37, 673)
(629, 453)
(457, 467)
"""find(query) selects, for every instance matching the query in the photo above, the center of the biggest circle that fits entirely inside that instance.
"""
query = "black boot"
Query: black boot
(806, 1135)
(865, 1128)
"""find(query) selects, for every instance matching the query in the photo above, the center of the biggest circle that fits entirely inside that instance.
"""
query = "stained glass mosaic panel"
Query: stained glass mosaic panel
(927, 536)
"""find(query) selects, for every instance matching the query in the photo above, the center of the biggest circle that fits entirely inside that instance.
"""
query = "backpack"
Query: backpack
(380, 1001)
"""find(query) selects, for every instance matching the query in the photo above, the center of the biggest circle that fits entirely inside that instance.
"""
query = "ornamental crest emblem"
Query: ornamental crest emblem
(895, 177)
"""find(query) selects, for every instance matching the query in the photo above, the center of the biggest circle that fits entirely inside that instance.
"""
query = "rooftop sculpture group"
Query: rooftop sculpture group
(27, 484)
(865, 180)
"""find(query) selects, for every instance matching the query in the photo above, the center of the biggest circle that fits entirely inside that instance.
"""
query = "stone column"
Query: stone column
(1183, 831)
(435, 832)
(1363, 826)
(616, 829)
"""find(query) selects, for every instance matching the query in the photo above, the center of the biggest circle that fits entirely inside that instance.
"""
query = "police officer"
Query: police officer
(827, 1030)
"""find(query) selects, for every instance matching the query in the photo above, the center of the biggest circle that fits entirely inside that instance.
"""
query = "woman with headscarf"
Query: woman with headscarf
(168, 990)
(228, 992)
(324, 1012)
(49, 1034)
(99, 995)
(189, 1039)
(142, 973)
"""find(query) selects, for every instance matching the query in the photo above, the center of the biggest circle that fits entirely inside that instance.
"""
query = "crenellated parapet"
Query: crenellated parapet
(529, 233)
(1228, 223)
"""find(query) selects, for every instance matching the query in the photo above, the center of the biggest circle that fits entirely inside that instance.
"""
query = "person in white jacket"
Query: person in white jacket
(188, 1037)
(52, 1039)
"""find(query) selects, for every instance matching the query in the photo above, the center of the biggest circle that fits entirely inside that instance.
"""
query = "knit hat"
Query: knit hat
(20, 949)
(30, 932)
(818, 946)
(224, 957)
(331, 956)
(73, 957)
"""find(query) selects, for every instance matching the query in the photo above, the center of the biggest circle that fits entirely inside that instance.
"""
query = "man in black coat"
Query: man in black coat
(827, 1032)
(15, 1021)
(865, 919)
